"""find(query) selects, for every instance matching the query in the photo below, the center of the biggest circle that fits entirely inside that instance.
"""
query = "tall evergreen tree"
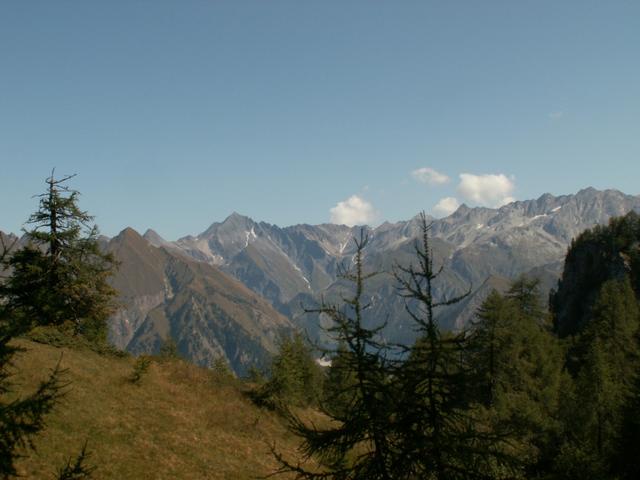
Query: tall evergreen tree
(439, 435)
(525, 294)
(296, 378)
(626, 460)
(20, 419)
(487, 346)
(358, 443)
(339, 382)
(517, 365)
(61, 276)
(606, 361)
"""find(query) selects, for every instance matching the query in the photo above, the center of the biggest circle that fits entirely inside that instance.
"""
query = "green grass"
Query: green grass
(177, 422)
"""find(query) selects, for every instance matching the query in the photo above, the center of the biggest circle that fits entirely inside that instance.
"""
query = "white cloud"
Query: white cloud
(446, 206)
(490, 190)
(556, 115)
(353, 211)
(429, 176)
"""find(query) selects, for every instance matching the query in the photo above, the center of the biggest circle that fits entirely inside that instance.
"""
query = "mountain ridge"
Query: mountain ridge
(474, 244)
(174, 288)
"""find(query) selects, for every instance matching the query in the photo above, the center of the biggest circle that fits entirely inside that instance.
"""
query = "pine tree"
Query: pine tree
(486, 347)
(626, 460)
(607, 363)
(23, 418)
(358, 443)
(517, 365)
(296, 378)
(169, 348)
(78, 469)
(615, 322)
(221, 370)
(534, 365)
(339, 383)
(439, 436)
(525, 294)
(60, 278)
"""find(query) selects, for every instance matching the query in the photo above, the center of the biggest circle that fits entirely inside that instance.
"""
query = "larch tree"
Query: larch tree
(439, 435)
(61, 277)
(358, 442)
(20, 418)
(486, 347)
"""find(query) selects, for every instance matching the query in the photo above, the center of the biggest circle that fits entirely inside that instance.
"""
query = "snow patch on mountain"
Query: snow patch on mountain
(250, 235)
(302, 275)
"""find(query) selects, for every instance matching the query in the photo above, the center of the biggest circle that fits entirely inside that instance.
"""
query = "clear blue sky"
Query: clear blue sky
(176, 113)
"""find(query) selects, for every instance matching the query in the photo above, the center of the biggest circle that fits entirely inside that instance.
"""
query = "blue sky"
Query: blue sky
(174, 114)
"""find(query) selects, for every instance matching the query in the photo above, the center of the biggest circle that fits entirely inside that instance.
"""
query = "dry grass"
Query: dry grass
(179, 422)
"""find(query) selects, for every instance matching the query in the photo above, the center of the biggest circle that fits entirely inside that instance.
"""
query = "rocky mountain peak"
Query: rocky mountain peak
(154, 238)
(8, 237)
(461, 211)
(129, 234)
(232, 223)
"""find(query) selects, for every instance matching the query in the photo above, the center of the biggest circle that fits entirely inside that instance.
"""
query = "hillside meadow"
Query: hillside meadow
(180, 421)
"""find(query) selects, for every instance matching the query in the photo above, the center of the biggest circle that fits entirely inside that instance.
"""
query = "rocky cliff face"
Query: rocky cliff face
(600, 254)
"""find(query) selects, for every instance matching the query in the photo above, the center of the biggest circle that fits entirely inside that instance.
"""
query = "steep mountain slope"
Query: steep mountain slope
(596, 256)
(278, 263)
(207, 313)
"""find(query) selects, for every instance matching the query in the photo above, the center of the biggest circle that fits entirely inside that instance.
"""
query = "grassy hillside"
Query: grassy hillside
(179, 422)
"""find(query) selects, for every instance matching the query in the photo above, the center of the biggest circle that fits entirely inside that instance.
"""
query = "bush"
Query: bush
(169, 349)
(140, 368)
(296, 378)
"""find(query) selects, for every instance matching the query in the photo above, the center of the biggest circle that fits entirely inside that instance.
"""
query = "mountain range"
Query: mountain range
(234, 288)
(480, 249)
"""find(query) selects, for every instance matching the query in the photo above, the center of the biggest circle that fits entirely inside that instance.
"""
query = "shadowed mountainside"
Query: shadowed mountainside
(208, 313)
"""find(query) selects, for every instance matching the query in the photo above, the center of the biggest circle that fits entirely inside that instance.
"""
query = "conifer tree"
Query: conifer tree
(517, 365)
(22, 418)
(221, 370)
(77, 469)
(358, 443)
(607, 367)
(626, 460)
(525, 294)
(486, 347)
(61, 276)
(296, 378)
(615, 322)
(169, 348)
(439, 436)
(535, 362)
(339, 383)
